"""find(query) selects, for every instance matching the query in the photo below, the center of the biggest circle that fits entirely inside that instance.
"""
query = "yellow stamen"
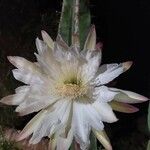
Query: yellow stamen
(71, 90)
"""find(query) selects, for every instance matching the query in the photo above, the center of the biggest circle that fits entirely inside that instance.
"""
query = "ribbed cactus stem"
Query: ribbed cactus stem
(75, 29)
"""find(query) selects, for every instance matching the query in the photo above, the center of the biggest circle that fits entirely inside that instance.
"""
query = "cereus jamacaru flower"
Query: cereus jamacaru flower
(66, 86)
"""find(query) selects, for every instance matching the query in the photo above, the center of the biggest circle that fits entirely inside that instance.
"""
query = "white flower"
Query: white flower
(67, 89)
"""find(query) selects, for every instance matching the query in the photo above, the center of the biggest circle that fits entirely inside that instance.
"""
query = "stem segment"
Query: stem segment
(75, 29)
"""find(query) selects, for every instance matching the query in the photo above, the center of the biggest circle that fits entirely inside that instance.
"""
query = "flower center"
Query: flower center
(72, 89)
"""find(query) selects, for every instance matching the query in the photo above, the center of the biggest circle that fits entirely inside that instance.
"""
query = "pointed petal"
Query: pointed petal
(128, 96)
(46, 59)
(27, 77)
(93, 118)
(23, 64)
(108, 72)
(103, 94)
(127, 65)
(80, 126)
(105, 112)
(52, 122)
(53, 142)
(32, 104)
(69, 121)
(32, 125)
(103, 139)
(27, 71)
(90, 68)
(47, 39)
(41, 46)
(91, 40)
(49, 65)
(22, 89)
(64, 143)
(122, 107)
(62, 43)
(15, 99)
(18, 62)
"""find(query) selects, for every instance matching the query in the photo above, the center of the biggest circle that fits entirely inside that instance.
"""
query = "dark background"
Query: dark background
(122, 26)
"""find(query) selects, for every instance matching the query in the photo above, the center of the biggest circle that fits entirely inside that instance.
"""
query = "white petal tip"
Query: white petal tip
(37, 39)
(11, 59)
(112, 120)
(143, 98)
(7, 100)
(137, 97)
(127, 65)
(19, 138)
(3, 102)
(115, 120)
(17, 109)
(43, 32)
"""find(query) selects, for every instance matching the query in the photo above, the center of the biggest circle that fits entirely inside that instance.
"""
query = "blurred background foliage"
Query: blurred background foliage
(122, 27)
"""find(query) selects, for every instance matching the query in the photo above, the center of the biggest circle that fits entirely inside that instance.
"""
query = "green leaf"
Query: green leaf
(66, 25)
(84, 21)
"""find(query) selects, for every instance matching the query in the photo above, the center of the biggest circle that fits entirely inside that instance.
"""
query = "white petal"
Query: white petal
(46, 59)
(108, 72)
(61, 43)
(105, 112)
(22, 89)
(49, 65)
(15, 99)
(47, 39)
(103, 94)
(93, 118)
(27, 77)
(23, 64)
(32, 125)
(52, 122)
(80, 126)
(64, 143)
(41, 46)
(32, 104)
(128, 96)
(65, 55)
(90, 68)
(27, 71)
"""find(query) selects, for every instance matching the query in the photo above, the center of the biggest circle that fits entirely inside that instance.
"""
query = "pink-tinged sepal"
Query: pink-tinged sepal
(90, 43)
(103, 139)
(47, 39)
(123, 107)
(126, 65)
(128, 96)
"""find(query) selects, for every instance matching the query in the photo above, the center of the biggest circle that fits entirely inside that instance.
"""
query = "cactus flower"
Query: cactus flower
(66, 86)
